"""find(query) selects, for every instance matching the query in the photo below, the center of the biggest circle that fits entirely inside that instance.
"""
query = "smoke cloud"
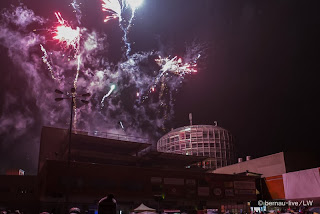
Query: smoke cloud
(140, 105)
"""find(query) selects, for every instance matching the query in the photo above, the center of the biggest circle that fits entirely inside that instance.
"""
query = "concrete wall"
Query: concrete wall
(53, 144)
(270, 165)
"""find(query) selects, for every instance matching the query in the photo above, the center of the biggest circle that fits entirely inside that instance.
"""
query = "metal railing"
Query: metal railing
(113, 136)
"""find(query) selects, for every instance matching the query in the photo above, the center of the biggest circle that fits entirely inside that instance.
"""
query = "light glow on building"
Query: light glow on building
(201, 140)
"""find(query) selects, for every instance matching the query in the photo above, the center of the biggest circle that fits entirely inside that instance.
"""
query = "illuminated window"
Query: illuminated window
(182, 136)
(188, 135)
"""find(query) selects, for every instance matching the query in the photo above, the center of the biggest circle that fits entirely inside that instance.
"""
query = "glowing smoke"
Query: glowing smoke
(145, 81)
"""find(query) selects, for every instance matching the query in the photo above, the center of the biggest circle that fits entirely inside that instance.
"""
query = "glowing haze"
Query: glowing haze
(134, 96)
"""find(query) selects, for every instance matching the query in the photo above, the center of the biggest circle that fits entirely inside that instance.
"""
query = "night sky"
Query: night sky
(257, 75)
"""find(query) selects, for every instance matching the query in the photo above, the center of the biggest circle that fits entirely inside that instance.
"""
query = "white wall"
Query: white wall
(269, 165)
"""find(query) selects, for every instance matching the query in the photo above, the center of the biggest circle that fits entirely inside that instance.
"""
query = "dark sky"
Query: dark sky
(258, 77)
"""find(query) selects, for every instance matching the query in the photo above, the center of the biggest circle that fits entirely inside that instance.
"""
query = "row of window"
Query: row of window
(197, 135)
(182, 145)
(214, 154)
(214, 164)
(172, 149)
(163, 142)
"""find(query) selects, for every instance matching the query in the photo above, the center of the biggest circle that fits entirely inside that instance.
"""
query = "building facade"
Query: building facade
(274, 164)
(201, 140)
(289, 175)
(100, 166)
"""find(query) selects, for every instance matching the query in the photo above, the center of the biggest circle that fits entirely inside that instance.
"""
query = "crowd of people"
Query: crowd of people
(107, 205)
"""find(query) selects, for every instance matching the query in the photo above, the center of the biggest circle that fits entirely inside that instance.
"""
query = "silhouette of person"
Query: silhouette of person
(107, 205)
(74, 210)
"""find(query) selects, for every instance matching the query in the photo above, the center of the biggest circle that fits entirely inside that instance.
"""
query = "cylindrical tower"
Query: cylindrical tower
(201, 140)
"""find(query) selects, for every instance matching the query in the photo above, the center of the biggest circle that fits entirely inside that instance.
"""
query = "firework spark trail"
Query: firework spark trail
(77, 74)
(115, 9)
(74, 94)
(125, 40)
(125, 30)
(112, 87)
(77, 10)
(45, 59)
(121, 125)
(134, 4)
(74, 124)
(59, 17)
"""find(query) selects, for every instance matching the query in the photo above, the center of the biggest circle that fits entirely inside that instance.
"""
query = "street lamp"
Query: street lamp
(73, 97)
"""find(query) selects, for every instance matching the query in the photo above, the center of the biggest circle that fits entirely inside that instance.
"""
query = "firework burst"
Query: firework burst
(66, 35)
(113, 9)
(175, 66)
(145, 82)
